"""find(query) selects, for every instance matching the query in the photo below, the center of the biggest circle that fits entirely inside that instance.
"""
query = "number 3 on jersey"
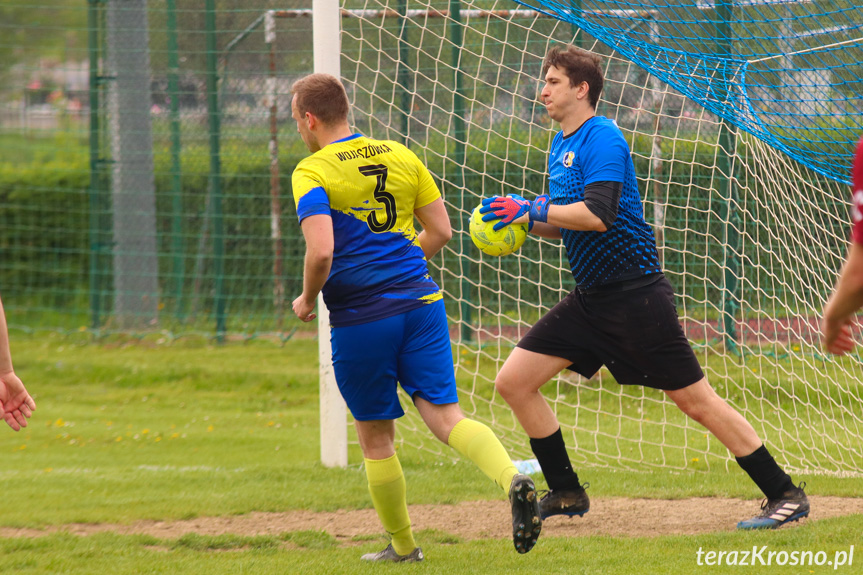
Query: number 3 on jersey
(379, 171)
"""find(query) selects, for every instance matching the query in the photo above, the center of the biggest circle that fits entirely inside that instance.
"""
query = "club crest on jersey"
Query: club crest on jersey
(568, 158)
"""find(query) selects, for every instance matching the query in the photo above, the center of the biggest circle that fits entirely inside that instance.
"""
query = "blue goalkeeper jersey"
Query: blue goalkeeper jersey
(597, 152)
(370, 188)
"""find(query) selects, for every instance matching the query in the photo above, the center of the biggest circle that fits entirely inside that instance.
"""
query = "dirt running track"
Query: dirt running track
(478, 519)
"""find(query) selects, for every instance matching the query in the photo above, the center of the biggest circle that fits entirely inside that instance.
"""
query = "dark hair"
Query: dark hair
(579, 66)
(323, 95)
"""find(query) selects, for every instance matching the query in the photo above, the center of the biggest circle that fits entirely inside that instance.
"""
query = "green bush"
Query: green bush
(50, 223)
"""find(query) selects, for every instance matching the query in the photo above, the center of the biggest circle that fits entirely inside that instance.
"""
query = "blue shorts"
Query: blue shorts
(411, 348)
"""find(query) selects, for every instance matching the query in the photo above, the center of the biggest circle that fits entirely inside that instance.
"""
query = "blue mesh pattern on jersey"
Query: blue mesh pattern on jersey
(597, 152)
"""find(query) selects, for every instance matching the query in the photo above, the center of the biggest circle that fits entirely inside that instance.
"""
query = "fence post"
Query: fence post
(133, 189)
(275, 203)
(178, 267)
(460, 136)
(95, 24)
(215, 171)
(728, 188)
(403, 72)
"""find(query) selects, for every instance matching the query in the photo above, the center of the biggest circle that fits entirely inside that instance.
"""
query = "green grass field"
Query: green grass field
(129, 432)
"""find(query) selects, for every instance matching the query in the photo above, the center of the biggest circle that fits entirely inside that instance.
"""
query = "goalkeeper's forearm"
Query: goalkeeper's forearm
(575, 216)
(547, 231)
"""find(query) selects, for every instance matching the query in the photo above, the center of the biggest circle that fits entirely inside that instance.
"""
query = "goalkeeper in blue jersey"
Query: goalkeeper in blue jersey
(356, 200)
(622, 312)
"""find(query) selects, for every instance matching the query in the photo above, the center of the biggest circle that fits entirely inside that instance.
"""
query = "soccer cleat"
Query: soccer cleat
(389, 554)
(792, 506)
(526, 520)
(565, 502)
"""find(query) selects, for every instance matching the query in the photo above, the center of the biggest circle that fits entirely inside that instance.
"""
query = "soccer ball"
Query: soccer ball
(495, 243)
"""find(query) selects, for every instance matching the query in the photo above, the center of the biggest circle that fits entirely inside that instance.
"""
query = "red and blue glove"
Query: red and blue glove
(509, 208)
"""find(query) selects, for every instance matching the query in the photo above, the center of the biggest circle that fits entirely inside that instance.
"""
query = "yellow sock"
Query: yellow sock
(478, 443)
(389, 496)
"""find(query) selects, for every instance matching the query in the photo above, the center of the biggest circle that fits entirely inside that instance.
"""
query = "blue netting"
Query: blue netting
(787, 71)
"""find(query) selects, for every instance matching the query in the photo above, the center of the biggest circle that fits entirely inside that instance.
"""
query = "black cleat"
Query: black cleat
(526, 519)
(792, 506)
(565, 502)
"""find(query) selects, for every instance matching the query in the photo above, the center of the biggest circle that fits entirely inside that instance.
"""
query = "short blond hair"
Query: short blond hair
(323, 95)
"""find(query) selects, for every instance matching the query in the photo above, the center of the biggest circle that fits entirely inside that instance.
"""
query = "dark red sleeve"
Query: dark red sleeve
(857, 195)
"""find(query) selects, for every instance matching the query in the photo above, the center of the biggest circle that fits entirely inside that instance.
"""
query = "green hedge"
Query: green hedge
(45, 224)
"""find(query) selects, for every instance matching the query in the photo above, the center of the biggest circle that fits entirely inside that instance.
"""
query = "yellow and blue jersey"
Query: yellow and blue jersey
(370, 188)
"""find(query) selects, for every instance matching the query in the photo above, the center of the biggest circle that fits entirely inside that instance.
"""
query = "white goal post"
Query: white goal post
(326, 31)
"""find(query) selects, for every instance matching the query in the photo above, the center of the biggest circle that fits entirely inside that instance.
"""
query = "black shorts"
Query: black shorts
(635, 333)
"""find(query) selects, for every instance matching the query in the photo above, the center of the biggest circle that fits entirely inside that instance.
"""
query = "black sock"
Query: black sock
(766, 473)
(554, 460)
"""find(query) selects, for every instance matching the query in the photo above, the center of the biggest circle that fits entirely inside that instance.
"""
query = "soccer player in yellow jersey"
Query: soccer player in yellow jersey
(356, 200)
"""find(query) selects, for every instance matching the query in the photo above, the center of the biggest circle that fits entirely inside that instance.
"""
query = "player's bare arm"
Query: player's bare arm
(575, 216)
(546, 231)
(847, 298)
(437, 230)
(318, 233)
(516, 210)
(16, 405)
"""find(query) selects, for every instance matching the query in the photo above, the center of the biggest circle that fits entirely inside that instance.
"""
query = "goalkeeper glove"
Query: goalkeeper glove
(509, 208)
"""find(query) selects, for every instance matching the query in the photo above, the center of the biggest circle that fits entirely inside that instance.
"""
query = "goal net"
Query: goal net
(741, 119)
